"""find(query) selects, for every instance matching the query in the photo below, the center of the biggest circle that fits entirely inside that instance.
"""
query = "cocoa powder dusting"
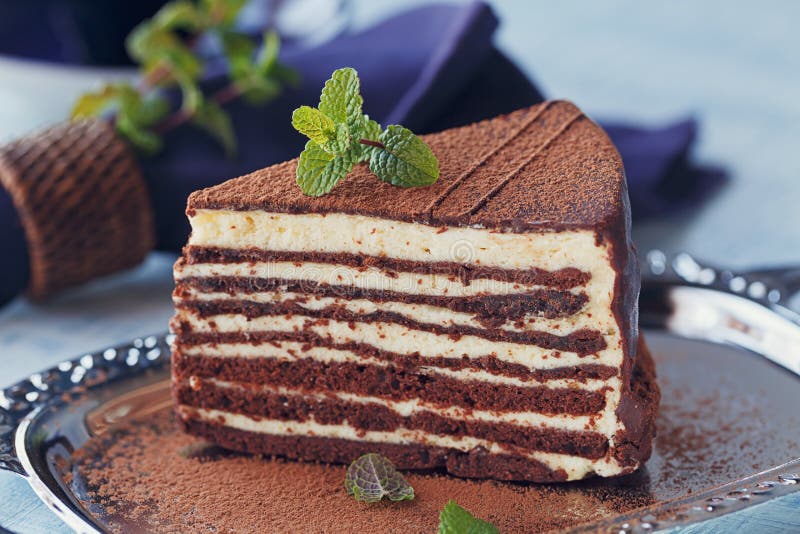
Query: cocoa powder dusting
(716, 410)
(149, 477)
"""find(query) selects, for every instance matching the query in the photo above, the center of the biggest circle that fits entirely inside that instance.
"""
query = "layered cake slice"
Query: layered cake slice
(485, 325)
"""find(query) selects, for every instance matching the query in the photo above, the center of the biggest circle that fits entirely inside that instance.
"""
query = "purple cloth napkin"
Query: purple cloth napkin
(73, 32)
(447, 73)
(662, 178)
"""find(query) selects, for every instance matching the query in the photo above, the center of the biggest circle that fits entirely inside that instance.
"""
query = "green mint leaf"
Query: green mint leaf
(126, 100)
(318, 170)
(373, 477)
(213, 119)
(95, 103)
(239, 50)
(222, 12)
(257, 90)
(143, 139)
(314, 124)
(148, 39)
(139, 42)
(129, 101)
(179, 14)
(151, 110)
(455, 520)
(371, 129)
(142, 112)
(267, 56)
(163, 46)
(132, 107)
(341, 99)
(331, 137)
(343, 144)
(192, 96)
(405, 160)
(180, 60)
(160, 48)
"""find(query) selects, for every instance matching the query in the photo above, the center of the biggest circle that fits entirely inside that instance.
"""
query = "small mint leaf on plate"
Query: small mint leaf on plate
(455, 520)
(314, 124)
(318, 170)
(405, 160)
(372, 477)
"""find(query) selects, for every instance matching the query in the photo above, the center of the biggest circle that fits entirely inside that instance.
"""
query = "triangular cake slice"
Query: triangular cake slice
(485, 325)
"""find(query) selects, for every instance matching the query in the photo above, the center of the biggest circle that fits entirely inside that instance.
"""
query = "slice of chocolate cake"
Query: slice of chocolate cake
(486, 324)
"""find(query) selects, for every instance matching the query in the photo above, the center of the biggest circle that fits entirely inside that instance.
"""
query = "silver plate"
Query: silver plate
(47, 416)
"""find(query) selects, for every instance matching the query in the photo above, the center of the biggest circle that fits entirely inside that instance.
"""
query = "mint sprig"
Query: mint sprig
(372, 477)
(455, 520)
(341, 135)
(165, 48)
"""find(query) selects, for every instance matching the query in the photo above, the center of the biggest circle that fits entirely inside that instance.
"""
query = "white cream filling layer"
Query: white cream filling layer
(357, 234)
(423, 313)
(577, 423)
(575, 467)
(399, 339)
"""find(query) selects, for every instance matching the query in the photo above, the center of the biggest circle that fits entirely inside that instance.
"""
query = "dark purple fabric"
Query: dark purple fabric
(430, 68)
(661, 175)
(14, 262)
(76, 32)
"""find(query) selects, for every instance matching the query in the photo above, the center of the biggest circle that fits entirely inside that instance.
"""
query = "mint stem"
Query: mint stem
(164, 70)
(370, 142)
(154, 77)
(221, 97)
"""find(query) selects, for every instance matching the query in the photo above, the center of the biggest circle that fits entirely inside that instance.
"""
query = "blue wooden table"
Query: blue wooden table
(736, 68)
